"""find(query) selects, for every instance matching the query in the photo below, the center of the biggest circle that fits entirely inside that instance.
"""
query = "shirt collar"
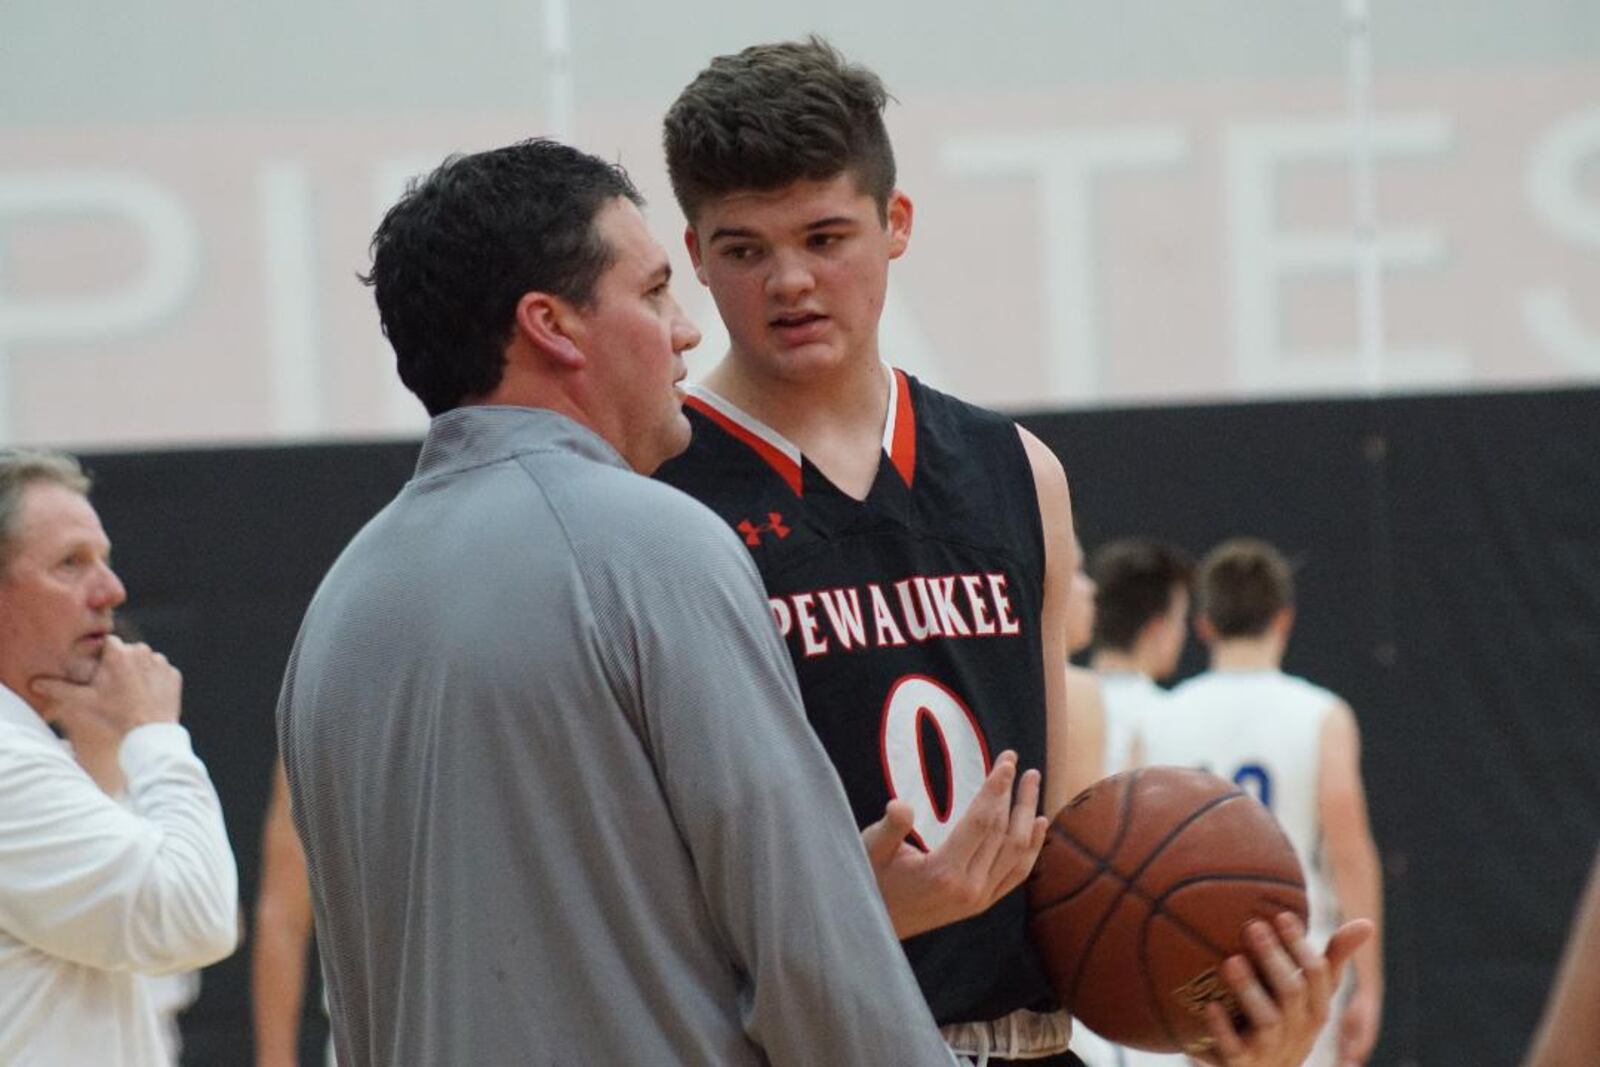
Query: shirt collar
(476, 435)
(19, 713)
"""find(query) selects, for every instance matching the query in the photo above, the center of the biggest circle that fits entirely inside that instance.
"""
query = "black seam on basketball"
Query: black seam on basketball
(1129, 881)
(1188, 820)
(1101, 866)
(1126, 817)
(1158, 909)
(1156, 901)
(1158, 905)
(1102, 863)
(1148, 974)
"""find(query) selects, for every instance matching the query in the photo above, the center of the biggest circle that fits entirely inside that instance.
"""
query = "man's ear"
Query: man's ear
(547, 323)
(691, 241)
(1283, 622)
(1205, 631)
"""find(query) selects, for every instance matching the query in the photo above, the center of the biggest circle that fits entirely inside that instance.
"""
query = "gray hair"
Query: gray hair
(19, 469)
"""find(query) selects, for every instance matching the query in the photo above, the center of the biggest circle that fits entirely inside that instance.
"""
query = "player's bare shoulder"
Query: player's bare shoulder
(1055, 503)
(1049, 476)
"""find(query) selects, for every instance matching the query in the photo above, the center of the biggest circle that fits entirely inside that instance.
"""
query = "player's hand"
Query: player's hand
(1285, 1016)
(132, 686)
(1358, 1028)
(989, 852)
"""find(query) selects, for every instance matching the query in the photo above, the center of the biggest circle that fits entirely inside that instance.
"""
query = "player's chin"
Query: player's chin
(820, 357)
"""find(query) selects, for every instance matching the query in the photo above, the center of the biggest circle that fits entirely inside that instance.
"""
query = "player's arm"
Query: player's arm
(1085, 757)
(1569, 1032)
(282, 934)
(1355, 873)
(1060, 560)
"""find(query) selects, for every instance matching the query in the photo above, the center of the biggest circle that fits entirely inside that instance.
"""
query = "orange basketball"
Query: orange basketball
(1143, 888)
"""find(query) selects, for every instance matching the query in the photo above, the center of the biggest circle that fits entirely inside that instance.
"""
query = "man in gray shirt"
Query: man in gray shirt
(559, 799)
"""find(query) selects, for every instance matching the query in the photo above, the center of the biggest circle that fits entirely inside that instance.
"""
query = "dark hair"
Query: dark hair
(451, 260)
(1242, 585)
(775, 114)
(1134, 579)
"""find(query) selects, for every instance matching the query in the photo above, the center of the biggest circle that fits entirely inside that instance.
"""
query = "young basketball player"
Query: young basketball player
(1296, 747)
(915, 549)
(1141, 622)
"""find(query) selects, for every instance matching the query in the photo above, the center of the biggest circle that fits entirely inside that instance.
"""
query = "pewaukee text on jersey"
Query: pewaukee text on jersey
(910, 611)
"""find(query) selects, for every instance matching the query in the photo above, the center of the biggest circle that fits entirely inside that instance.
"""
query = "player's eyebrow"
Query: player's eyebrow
(725, 232)
(728, 232)
(662, 273)
(832, 220)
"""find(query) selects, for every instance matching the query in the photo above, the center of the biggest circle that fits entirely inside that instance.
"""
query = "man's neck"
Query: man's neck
(1247, 654)
(1116, 661)
(19, 688)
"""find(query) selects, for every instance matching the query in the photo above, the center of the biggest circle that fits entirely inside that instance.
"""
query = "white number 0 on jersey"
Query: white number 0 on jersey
(912, 700)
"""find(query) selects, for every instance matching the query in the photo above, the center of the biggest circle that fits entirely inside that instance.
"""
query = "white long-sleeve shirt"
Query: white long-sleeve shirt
(93, 894)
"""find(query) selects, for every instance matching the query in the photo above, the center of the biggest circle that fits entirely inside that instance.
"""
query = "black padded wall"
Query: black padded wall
(1449, 588)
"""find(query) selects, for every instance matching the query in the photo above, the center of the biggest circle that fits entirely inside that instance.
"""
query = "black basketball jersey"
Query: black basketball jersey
(913, 618)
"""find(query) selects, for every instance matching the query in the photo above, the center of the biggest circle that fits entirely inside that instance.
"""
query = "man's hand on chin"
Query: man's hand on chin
(133, 685)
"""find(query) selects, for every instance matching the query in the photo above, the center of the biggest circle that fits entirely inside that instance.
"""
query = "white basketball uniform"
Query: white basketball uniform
(1263, 730)
(1130, 699)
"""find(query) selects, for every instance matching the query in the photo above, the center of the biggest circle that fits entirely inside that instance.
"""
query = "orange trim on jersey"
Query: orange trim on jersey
(903, 449)
(786, 468)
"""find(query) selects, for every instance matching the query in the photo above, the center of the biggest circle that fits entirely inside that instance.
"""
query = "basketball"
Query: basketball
(1143, 887)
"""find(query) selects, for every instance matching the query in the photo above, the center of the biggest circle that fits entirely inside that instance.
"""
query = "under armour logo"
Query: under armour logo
(752, 532)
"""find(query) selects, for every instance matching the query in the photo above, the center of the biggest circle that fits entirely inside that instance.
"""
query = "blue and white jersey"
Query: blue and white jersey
(1263, 730)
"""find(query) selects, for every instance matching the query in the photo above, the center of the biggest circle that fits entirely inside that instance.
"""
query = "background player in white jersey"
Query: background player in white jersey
(1140, 624)
(1296, 747)
(1137, 622)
